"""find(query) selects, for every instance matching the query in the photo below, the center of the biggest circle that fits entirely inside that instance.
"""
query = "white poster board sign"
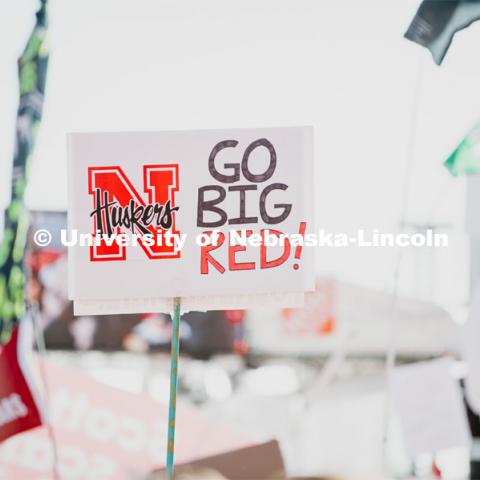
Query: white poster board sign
(430, 405)
(472, 221)
(471, 352)
(215, 217)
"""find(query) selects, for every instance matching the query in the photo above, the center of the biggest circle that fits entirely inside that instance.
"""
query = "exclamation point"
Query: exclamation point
(298, 248)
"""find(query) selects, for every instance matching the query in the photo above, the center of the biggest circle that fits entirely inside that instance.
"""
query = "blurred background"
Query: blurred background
(385, 119)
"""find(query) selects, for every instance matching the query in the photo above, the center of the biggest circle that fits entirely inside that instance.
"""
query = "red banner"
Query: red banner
(18, 408)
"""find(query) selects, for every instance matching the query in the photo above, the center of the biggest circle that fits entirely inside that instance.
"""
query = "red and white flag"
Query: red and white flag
(19, 409)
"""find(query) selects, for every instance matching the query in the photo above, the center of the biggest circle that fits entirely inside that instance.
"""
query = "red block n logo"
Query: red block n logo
(119, 208)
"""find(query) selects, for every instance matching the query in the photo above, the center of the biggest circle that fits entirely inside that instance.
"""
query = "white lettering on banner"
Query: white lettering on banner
(75, 413)
(12, 408)
(34, 453)
(75, 463)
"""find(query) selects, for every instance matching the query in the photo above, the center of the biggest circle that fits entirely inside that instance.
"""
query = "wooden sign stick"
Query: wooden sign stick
(172, 407)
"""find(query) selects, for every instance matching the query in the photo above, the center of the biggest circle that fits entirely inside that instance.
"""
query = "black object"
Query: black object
(437, 21)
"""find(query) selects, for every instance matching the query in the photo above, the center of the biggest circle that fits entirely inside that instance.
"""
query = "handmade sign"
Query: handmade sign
(216, 218)
(430, 406)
